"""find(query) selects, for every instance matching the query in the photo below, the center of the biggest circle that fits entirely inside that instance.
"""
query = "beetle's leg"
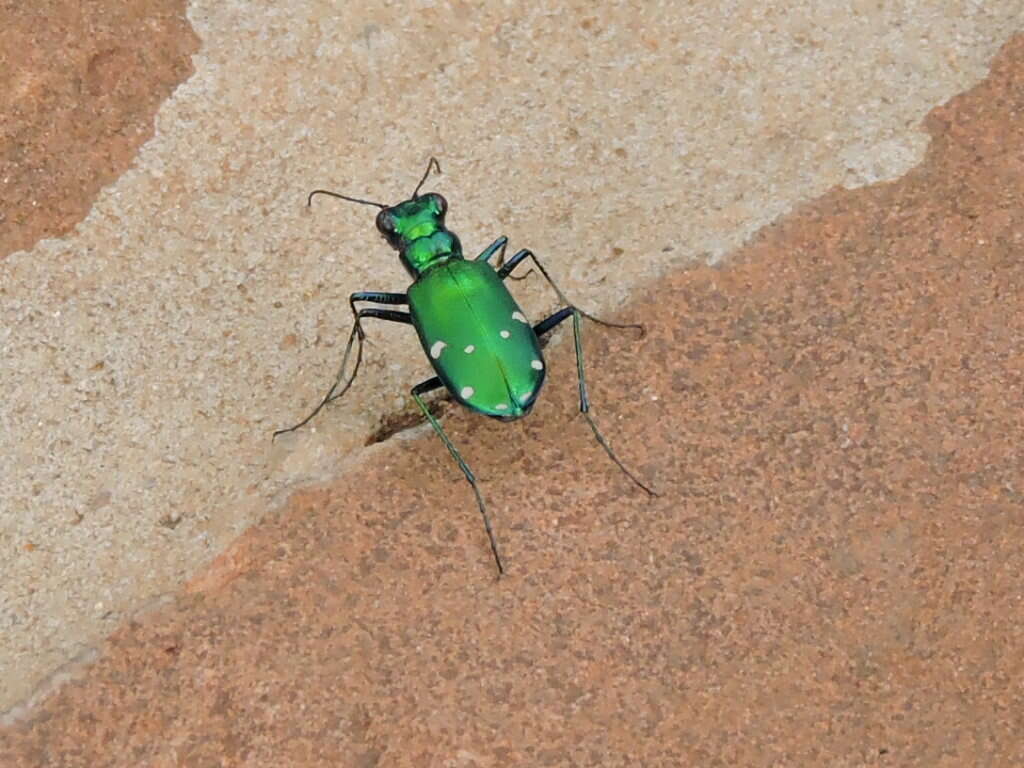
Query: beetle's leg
(381, 314)
(377, 297)
(428, 386)
(514, 262)
(357, 334)
(499, 245)
(546, 325)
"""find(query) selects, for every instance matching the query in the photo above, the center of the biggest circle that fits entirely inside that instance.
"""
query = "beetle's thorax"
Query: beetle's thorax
(415, 228)
(430, 250)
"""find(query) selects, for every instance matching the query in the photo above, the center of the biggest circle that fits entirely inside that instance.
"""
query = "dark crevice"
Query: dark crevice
(393, 423)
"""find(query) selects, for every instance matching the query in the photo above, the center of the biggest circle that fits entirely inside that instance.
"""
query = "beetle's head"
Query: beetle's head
(414, 228)
(409, 221)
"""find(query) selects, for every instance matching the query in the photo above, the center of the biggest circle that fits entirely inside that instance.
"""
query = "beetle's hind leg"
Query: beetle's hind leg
(544, 326)
(429, 386)
(575, 313)
(357, 334)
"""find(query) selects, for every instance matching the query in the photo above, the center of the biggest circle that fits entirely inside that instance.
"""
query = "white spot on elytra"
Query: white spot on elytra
(537, 365)
(501, 407)
(520, 317)
(505, 334)
(435, 351)
(469, 350)
(467, 392)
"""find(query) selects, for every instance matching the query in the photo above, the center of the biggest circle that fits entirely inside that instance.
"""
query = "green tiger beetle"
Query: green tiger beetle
(483, 349)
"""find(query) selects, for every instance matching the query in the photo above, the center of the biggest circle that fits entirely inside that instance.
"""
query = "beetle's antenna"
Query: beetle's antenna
(432, 164)
(309, 200)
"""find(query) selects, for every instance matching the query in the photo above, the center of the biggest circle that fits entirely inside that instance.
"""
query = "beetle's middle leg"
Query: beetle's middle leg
(429, 386)
(545, 326)
(357, 334)
(514, 262)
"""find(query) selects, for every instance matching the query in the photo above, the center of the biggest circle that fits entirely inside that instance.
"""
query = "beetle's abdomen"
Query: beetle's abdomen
(477, 338)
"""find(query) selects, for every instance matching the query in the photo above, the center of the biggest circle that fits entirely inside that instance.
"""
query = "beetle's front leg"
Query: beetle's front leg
(499, 245)
(377, 297)
(356, 334)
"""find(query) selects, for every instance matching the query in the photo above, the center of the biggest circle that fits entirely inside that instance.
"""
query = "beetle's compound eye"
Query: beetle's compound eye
(439, 204)
(385, 223)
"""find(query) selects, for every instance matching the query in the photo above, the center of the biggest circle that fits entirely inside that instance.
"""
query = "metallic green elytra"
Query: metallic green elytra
(477, 338)
(475, 335)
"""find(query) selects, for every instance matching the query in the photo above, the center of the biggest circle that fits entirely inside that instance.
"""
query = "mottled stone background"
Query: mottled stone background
(831, 575)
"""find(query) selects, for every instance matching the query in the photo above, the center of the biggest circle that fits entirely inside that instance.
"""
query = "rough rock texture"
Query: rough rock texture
(199, 304)
(80, 81)
(831, 575)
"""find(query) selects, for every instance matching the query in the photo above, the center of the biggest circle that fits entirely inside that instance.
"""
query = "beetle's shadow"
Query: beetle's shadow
(400, 421)
(394, 423)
